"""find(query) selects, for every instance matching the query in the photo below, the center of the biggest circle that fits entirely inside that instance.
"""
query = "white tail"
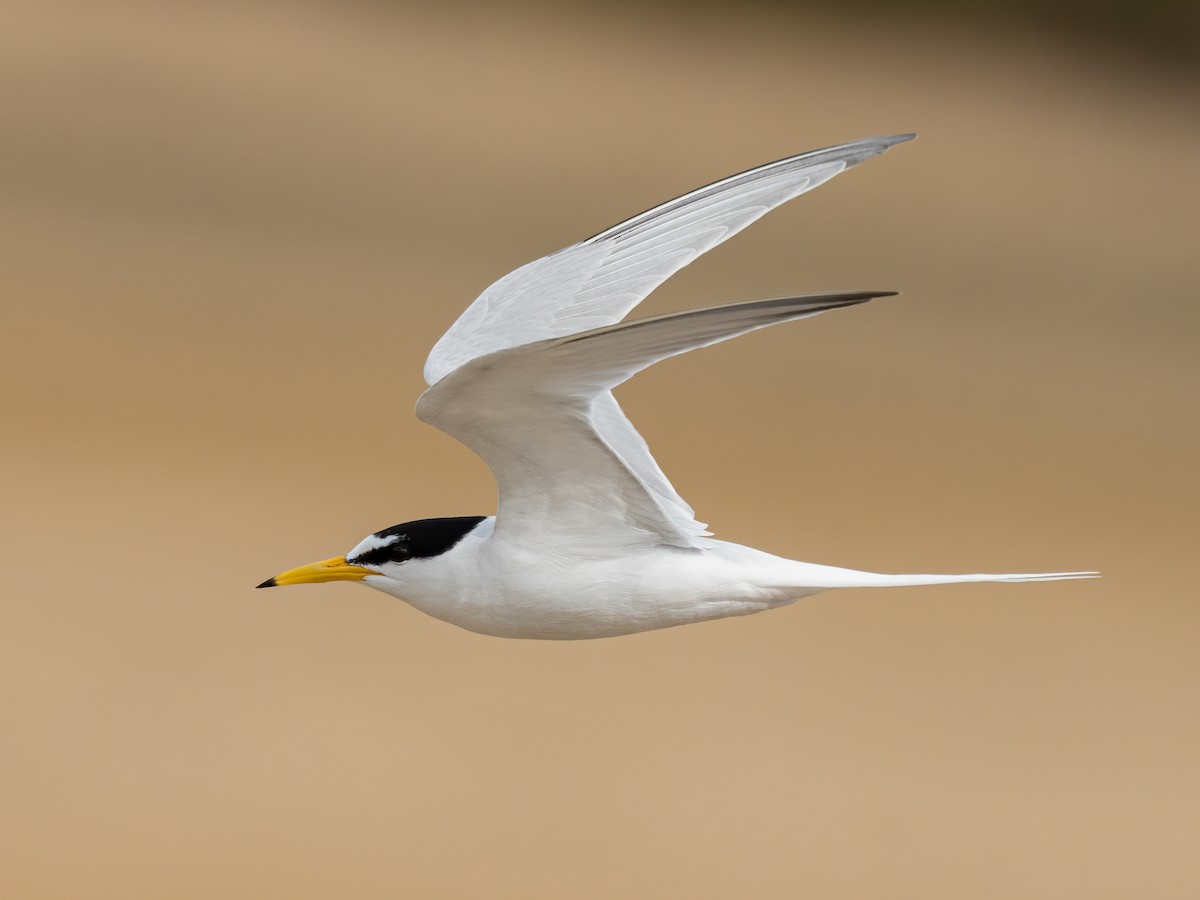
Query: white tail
(870, 579)
(809, 575)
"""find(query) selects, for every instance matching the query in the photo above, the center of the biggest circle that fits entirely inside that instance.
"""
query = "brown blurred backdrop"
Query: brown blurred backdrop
(229, 233)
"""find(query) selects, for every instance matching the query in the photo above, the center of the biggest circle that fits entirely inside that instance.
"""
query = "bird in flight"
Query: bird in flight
(589, 538)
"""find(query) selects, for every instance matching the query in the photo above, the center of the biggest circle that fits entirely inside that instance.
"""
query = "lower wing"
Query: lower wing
(574, 476)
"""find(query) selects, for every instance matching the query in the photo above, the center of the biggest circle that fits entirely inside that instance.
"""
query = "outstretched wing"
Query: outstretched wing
(597, 282)
(575, 477)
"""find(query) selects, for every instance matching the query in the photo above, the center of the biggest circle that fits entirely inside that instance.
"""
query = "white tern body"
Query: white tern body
(590, 539)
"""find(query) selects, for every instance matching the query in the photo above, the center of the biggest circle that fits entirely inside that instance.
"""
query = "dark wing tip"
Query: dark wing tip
(891, 140)
(849, 297)
(270, 582)
(846, 298)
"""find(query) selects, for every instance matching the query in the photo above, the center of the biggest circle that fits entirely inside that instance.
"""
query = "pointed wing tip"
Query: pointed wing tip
(883, 144)
(868, 148)
(865, 296)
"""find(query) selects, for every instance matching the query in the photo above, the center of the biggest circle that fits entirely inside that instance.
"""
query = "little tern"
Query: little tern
(589, 538)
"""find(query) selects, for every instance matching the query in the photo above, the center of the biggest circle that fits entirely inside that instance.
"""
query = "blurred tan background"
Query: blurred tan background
(230, 233)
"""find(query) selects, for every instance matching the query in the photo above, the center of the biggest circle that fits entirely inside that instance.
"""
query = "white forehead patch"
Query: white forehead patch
(372, 542)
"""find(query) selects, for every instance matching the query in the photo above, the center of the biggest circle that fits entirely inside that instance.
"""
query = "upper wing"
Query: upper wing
(598, 281)
(575, 477)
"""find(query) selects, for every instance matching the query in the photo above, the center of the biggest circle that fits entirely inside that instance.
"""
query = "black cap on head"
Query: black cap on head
(421, 539)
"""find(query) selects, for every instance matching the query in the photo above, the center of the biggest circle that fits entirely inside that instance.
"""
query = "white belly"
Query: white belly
(502, 592)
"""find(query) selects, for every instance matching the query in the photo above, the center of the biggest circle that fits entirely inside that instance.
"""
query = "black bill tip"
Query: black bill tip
(270, 582)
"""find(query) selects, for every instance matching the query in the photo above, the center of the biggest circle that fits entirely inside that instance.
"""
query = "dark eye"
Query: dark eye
(396, 552)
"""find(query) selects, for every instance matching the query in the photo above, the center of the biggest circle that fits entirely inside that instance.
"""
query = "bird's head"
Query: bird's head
(383, 553)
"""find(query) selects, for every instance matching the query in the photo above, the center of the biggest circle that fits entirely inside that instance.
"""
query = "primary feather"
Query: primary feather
(598, 281)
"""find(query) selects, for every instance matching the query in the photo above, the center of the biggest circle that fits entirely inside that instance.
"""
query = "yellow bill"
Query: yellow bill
(336, 569)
